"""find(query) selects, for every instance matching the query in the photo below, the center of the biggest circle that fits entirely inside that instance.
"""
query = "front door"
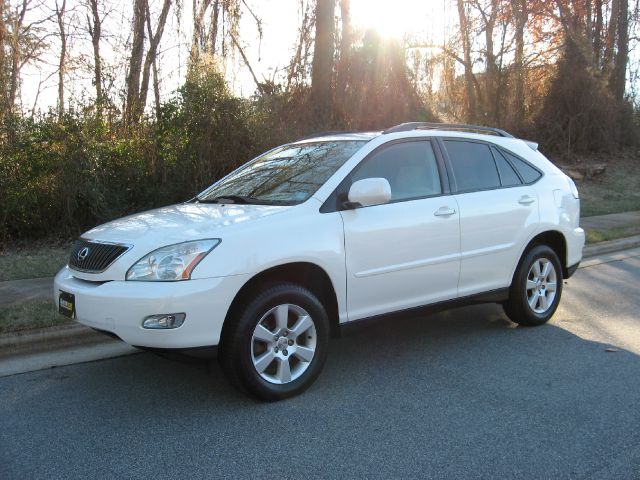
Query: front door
(404, 253)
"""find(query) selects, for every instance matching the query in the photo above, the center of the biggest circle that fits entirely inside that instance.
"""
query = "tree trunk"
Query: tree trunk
(197, 40)
(346, 41)
(597, 35)
(154, 41)
(622, 52)
(62, 62)
(610, 41)
(215, 15)
(468, 65)
(296, 67)
(135, 62)
(3, 62)
(95, 30)
(16, 56)
(322, 66)
(521, 15)
(156, 88)
(491, 80)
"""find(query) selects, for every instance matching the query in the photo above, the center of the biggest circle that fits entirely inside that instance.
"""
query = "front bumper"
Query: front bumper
(119, 307)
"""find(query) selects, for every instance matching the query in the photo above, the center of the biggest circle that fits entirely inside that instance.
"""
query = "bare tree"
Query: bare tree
(198, 37)
(621, 60)
(3, 61)
(346, 42)
(16, 53)
(597, 33)
(61, 11)
(520, 15)
(298, 66)
(132, 106)
(465, 32)
(154, 41)
(94, 24)
(323, 54)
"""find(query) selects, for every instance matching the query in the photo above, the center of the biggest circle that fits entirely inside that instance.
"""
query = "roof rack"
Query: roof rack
(405, 127)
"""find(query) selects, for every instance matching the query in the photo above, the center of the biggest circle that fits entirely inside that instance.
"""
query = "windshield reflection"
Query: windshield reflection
(285, 176)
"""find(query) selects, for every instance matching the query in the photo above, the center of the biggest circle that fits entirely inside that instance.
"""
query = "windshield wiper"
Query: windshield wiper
(229, 199)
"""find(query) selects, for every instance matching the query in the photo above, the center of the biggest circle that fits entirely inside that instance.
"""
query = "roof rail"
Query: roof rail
(405, 127)
(325, 134)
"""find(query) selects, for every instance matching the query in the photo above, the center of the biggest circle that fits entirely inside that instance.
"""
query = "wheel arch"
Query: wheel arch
(306, 274)
(555, 240)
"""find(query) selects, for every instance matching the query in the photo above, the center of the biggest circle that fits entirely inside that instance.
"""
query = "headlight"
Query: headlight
(173, 262)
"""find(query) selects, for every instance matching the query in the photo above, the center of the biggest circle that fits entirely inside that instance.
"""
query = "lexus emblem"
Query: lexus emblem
(82, 254)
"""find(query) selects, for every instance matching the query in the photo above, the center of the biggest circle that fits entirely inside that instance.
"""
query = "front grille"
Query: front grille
(94, 257)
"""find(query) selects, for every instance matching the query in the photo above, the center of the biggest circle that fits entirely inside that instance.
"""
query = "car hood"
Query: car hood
(180, 223)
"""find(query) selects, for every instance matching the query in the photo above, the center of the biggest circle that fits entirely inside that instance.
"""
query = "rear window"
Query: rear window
(473, 165)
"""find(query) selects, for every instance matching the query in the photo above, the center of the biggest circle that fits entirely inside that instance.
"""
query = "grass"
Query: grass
(32, 262)
(595, 236)
(617, 190)
(35, 314)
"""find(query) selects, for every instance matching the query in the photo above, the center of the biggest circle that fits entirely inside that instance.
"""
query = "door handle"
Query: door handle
(526, 200)
(444, 212)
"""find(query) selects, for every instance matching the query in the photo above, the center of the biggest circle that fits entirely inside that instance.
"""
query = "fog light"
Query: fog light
(165, 321)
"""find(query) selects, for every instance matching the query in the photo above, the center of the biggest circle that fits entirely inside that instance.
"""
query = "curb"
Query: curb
(610, 246)
(47, 339)
(74, 335)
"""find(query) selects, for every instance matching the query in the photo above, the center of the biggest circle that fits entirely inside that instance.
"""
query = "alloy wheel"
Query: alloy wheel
(283, 344)
(541, 285)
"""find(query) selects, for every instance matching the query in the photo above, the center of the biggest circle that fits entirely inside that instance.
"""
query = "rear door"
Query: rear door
(498, 213)
(407, 252)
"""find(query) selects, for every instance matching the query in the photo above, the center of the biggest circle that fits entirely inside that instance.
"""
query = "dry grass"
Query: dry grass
(595, 236)
(36, 314)
(32, 261)
(617, 190)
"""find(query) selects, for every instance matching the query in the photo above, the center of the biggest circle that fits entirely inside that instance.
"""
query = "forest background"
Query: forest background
(110, 107)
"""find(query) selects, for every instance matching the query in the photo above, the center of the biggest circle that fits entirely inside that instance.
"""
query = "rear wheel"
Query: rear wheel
(536, 289)
(276, 346)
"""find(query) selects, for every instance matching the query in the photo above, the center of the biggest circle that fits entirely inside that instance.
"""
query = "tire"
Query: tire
(536, 288)
(276, 345)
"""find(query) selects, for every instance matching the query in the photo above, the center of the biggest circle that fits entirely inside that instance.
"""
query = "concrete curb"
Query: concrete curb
(51, 338)
(611, 246)
(29, 342)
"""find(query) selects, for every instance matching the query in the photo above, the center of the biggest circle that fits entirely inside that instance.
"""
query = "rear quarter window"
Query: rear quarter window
(528, 173)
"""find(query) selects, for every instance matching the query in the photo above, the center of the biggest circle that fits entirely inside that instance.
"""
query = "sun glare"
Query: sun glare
(396, 19)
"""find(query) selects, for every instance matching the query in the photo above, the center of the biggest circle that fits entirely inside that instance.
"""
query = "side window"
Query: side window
(473, 165)
(526, 171)
(410, 168)
(508, 175)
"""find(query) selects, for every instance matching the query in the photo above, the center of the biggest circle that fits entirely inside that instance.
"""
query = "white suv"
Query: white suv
(275, 257)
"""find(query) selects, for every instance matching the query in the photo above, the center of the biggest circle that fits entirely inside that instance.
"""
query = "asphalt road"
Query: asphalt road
(459, 394)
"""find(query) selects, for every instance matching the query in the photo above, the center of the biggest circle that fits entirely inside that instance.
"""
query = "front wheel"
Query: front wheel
(276, 346)
(535, 292)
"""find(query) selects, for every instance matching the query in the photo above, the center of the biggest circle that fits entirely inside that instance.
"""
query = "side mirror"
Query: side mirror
(369, 191)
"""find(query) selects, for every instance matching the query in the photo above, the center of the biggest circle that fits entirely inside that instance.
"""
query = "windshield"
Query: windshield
(286, 175)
